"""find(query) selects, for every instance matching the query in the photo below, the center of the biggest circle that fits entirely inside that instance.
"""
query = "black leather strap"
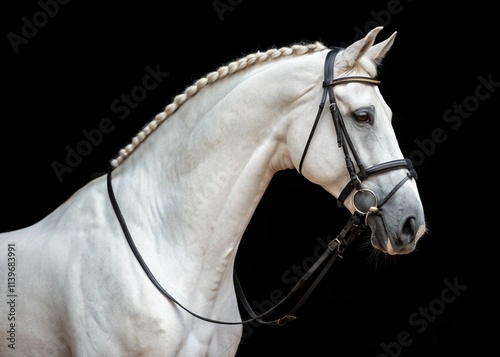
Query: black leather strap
(334, 249)
(374, 170)
(330, 59)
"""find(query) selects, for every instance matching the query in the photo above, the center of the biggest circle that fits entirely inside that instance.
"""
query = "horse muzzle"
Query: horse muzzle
(395, 240)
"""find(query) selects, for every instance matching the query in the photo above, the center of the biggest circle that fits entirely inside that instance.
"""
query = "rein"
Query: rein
(335, 248)
(353, 228)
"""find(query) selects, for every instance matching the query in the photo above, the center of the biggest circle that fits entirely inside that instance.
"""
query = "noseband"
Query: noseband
(345, 142)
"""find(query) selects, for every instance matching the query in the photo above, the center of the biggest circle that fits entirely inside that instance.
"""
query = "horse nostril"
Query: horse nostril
(408, 231)
(403, 242)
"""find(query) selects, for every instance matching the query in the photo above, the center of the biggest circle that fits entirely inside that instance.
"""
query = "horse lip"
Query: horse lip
(378, 244)
(388, 248)
(403, 249)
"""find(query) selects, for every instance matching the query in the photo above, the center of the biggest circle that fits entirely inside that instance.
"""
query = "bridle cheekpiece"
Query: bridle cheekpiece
(344, 141)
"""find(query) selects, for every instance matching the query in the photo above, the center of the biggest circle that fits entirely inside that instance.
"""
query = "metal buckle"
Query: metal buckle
(334, 244)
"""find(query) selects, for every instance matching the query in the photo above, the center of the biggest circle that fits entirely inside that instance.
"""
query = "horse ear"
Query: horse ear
(360, 47)
(377, 53)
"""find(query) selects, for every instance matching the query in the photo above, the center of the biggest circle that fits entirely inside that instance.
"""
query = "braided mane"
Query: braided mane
(222, 72)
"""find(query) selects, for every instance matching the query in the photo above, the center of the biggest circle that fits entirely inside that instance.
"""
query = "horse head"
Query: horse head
(352, 150)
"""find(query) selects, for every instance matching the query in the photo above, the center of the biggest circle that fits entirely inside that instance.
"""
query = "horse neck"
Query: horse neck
(194, 184)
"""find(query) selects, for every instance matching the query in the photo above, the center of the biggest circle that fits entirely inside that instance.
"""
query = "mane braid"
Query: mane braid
(222, 72)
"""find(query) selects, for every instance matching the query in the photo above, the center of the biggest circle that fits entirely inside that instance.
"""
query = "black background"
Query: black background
(87, 54)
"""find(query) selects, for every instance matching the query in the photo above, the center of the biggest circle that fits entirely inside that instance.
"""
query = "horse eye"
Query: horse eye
(364, 115)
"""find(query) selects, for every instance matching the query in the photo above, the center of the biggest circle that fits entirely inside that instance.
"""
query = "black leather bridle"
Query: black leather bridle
(344, 141)
(354, 226)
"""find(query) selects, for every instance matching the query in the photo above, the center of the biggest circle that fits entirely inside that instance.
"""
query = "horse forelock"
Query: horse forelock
(222, 72)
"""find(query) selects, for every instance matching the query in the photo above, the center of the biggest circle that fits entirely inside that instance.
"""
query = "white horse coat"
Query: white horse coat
(187, 189)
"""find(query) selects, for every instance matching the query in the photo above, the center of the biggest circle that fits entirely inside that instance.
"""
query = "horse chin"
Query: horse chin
(385, 246)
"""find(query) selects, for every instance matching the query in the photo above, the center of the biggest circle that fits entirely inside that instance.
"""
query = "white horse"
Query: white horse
(187, 190)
